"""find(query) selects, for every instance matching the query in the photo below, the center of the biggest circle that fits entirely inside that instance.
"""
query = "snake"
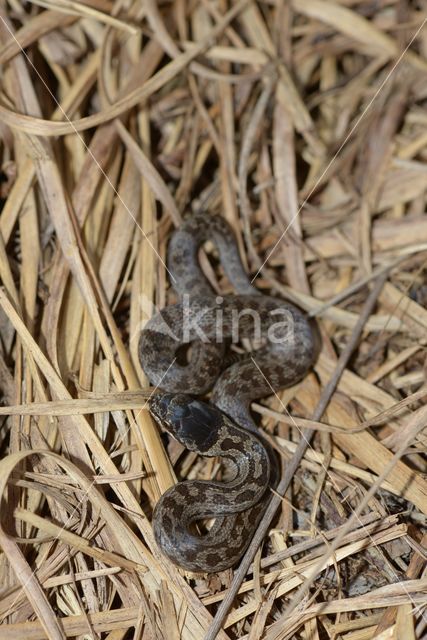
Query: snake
(205, 325)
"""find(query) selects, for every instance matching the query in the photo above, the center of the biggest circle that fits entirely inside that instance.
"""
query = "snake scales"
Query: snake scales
(224, 427)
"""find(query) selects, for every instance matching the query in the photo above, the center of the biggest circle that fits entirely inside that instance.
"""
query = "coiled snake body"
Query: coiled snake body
(225, 427)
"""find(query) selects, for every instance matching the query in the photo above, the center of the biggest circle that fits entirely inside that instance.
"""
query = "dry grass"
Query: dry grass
(304, 124)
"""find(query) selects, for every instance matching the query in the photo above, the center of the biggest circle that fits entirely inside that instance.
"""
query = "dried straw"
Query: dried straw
(303, 123)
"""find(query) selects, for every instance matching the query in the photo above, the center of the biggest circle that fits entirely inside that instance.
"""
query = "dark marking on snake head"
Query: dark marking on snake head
(193, 423)
(227, 444)
(161, 405)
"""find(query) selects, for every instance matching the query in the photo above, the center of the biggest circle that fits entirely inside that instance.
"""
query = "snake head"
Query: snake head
(193, 423)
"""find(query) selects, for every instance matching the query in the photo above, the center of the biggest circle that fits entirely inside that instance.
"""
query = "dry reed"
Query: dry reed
(302, 122)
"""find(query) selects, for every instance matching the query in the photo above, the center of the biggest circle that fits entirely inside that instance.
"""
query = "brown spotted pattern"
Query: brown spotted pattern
(204, 428)
(287, 352)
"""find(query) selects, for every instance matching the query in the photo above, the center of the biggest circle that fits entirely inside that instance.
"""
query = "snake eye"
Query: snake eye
(160, 406)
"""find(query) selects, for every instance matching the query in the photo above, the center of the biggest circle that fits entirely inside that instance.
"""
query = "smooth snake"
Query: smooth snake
(224, 427)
